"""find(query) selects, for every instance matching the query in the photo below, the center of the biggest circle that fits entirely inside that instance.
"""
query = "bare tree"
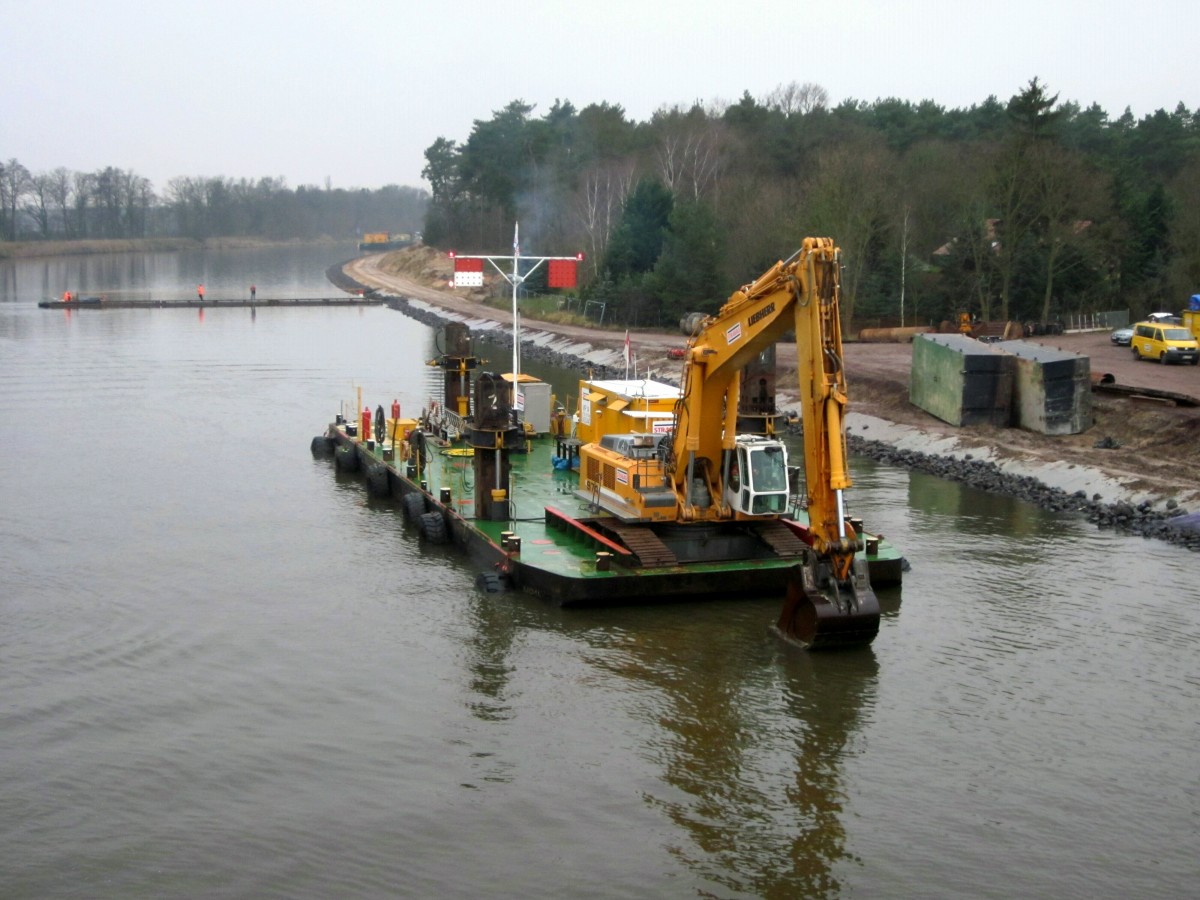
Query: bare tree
(943, 187)
(139, 198)
(61, 191)
(39, 203)
(14, 184)
(1032, 122)
(794, 99)
(850, 194)
(1067, 195)
(185, 197)
(759, 222)
(691, 151)
(978, 234)
(84, 183)
(1013, 191)
(602, 194)
(111, 189)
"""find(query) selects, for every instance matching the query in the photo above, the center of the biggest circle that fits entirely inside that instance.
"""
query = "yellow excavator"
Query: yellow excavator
(703, 472)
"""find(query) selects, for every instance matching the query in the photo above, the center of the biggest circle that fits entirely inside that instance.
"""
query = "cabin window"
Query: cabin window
(768, 480)
(768, 471)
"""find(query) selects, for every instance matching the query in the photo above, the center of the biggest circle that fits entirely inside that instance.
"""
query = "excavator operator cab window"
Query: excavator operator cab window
(768, 481)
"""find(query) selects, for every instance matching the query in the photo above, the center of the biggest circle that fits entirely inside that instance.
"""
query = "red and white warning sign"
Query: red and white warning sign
(468, 272)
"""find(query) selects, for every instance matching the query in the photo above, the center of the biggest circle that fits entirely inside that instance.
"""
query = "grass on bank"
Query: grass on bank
(542, 308)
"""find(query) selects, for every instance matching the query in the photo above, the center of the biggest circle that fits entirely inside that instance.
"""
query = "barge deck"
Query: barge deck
(546, 538)
(551, 543)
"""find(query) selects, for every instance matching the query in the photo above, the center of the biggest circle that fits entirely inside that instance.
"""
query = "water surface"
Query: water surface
(226, 672)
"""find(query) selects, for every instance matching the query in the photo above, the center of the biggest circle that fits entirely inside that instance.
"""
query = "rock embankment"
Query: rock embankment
(1172, 523)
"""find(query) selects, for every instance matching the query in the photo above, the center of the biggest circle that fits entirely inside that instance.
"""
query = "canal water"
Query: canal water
(225, 672)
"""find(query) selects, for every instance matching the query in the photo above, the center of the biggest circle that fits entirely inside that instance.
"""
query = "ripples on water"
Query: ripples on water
(226, 672)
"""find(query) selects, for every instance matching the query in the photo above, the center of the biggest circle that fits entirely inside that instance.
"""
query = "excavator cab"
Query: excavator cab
(757, 482)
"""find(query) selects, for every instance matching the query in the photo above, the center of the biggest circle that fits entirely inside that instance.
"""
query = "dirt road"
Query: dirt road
(1146, 449)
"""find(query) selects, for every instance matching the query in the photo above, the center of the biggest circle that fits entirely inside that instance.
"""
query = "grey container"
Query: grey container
(1052, 388)
(960, 380)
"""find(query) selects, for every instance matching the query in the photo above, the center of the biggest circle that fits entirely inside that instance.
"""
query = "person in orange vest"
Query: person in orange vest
(66, 296)
(200, 292)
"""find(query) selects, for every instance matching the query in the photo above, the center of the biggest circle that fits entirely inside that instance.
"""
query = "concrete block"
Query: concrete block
(1052, 388)
(961, 380)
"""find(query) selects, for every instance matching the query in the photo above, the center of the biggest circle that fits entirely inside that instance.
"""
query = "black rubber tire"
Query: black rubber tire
(433, 527)
(1162, 358)
(1137, 357)
(322, 445)
(489, 582)
(346, 459)
(378, 484)
(414, 506)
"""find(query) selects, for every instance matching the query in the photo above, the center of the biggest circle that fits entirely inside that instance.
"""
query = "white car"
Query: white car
(1164, 318)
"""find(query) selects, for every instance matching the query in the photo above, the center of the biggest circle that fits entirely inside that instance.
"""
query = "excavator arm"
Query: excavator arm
(704, 475)
(801, 295)
(831, 600)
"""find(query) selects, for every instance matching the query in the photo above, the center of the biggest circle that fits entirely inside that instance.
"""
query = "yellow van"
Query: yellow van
(1164, 342)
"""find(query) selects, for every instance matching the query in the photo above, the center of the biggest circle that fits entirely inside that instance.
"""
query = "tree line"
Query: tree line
(1029, 209)
(117, 203)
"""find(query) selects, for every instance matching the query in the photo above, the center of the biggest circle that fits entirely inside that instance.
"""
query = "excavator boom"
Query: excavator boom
(830, 601)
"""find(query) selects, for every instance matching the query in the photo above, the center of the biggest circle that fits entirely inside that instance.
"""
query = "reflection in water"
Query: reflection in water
(828, 693)
(490, 643)
(889, 600)
(974, 511)
(288, 271)
(770, 832)
(751, 737)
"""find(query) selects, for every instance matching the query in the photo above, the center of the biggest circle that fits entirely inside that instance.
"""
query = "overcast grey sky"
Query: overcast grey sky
(355, 91)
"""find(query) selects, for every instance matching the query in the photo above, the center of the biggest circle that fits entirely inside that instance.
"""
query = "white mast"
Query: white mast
(516, 279)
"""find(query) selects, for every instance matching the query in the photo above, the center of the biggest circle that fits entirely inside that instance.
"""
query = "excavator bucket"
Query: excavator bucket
(831, 615)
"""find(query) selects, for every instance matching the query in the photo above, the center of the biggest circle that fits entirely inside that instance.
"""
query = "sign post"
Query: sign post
(468, 272)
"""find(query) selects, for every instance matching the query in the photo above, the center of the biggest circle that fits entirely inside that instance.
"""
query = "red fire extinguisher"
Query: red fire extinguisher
(366, 423)
(395, 409)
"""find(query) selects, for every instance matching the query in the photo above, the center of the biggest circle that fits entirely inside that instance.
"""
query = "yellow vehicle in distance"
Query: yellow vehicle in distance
(1164, 342)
